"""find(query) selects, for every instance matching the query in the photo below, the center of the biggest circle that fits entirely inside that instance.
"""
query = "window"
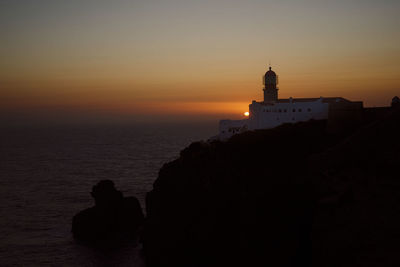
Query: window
(309, 109)
(285, 110)
(294, 110)
(299, 109)
(280, 110)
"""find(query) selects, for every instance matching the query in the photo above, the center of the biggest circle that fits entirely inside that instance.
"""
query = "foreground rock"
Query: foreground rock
(290, 196)
(114, 218)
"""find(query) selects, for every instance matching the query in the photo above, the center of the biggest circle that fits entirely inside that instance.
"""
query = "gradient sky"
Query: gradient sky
(184, 58)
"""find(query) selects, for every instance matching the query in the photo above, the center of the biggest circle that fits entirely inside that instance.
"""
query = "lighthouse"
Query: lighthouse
(274, 111)
(270, 90)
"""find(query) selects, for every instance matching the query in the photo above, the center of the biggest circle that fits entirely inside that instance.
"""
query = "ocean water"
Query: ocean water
(46, 175)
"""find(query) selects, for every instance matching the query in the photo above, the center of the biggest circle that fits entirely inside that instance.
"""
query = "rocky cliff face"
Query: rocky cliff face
(289, 196)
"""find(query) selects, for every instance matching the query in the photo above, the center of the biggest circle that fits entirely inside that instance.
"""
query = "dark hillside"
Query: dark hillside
(356, 222)
(290, 196)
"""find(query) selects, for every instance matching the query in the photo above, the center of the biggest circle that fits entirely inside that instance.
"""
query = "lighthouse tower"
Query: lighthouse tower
(270, 90)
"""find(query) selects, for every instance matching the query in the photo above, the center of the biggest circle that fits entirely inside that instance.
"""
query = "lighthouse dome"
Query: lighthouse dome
(270, 73)
(270, 78)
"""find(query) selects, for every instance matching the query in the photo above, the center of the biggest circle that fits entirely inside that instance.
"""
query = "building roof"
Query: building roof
(324, 100)
(329, 100)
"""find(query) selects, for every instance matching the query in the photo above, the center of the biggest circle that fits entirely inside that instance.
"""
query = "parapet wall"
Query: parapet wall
(344, 116)
(371, 114)
(350, 115)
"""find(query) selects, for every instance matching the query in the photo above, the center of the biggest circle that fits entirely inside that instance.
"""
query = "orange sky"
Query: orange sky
(180, 58)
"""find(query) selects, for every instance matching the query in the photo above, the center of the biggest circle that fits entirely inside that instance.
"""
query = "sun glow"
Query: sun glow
(246, 113)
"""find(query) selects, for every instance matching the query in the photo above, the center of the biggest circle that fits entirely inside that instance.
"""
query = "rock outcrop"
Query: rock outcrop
(290, 196)
(113, 219)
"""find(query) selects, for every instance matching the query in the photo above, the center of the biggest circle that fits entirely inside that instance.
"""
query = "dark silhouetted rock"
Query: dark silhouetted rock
(290, 196)
(114, 218)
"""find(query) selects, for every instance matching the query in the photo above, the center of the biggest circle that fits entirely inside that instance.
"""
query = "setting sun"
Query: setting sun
(246, 113)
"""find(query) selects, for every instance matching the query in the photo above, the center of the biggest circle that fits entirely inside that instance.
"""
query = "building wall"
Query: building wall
(265, 116)
(340, 113)
(227, 128)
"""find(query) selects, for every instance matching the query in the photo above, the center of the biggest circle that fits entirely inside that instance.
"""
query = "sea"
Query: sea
(47, 172)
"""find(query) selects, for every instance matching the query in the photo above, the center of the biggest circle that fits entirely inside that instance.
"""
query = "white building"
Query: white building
(273, 111)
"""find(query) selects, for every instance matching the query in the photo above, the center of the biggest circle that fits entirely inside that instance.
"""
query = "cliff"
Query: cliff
(295, 195)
